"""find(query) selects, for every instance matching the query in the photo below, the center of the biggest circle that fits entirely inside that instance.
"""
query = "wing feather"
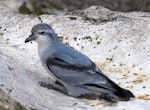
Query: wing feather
(69, 73)
(75, 74)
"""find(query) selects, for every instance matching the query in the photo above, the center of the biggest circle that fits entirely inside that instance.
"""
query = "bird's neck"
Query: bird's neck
(48, 49)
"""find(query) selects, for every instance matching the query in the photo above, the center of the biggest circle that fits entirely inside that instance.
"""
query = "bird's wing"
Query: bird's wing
(74, 74)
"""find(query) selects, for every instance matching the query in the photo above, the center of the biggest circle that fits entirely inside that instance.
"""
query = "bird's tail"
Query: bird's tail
(120, 93)
(116, 94)
(110, 90)
(123, 94)
(115, 91)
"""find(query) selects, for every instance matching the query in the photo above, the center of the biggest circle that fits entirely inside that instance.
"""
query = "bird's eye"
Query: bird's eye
(41, 32)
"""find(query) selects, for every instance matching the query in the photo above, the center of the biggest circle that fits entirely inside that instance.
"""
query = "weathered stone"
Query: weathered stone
(120, 47)
(62, 6)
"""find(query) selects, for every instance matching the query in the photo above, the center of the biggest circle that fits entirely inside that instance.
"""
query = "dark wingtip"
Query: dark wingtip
(124, 95)
(26, 41)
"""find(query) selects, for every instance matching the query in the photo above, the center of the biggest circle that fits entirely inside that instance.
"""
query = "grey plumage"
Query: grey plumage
(75, 73)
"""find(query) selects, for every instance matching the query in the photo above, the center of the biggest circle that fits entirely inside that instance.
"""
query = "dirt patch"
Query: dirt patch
(6, 103)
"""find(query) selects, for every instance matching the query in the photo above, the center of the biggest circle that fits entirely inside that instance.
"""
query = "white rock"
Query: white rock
(118, 42)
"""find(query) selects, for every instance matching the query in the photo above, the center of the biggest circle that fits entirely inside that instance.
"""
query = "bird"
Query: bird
(75, 74)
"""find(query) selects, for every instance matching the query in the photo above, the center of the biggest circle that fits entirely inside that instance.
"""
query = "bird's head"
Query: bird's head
(41, 33)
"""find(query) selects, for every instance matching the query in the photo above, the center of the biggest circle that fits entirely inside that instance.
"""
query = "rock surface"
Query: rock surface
(58, 7)
(119, 43)
(6, 103)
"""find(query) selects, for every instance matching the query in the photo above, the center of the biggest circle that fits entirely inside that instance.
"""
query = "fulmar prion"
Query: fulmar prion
(75, 74)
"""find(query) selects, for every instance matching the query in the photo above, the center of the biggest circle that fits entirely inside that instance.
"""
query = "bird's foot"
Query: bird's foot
(56, 86)
(47, 85)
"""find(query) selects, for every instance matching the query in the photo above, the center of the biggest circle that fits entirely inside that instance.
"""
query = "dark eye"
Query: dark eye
(41, 32)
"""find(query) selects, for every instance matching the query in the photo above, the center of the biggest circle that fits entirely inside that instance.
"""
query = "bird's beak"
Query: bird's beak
(30, 38)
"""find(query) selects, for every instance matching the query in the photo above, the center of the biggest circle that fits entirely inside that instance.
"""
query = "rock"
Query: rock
(72, 5)
(62, 6)
(8, 104)
(117, 42)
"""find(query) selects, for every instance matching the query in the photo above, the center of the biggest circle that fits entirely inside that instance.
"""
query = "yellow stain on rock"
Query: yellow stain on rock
(144, 96)
(109, 68)
(137, 77)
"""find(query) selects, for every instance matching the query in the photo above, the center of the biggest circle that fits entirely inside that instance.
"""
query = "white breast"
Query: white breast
(44, 52)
